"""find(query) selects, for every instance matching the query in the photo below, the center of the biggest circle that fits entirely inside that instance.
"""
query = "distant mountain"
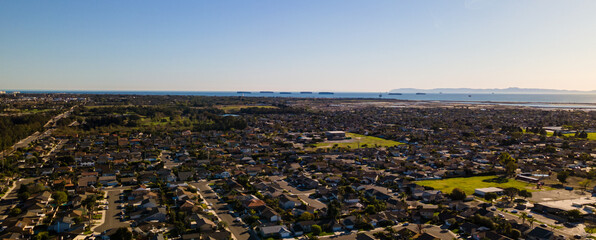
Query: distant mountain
(511, 90)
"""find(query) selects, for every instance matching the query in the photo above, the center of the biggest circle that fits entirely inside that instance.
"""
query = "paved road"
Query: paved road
(112, 215)
(36, 135)
(567, 232)
(222, 211)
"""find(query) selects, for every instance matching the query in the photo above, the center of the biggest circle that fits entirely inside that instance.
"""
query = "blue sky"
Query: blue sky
(339, 45)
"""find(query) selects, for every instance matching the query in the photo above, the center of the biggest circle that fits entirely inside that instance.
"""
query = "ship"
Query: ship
(394, 93)
(243, 92)
(305, 92)
(420, 93)
(266, 91)
(326, 93)
(285, 92)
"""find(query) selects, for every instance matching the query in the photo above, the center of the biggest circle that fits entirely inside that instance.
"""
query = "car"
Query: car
(513, 211)
(493, 209)
(577, 236)
(569, 225)
(406, 224)
(231, 212)
(543, 225)
(501, 215)
(237, 219)
(530, 215)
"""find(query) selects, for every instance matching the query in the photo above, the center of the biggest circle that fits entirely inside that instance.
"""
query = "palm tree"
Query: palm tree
(531, 221)
(523, 216)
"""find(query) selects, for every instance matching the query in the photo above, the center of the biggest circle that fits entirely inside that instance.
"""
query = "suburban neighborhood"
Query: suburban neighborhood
(188, 167)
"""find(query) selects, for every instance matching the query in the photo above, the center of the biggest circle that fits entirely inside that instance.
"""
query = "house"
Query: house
(288, 202)
(157, 214)
(108, 180)
(270, 215)
(61, 225)
(203, 224)
(275, 231)
(540, 233)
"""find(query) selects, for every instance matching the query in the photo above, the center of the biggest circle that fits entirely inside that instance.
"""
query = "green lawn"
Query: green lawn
(471, 183)
(591, 136)
(358, 140)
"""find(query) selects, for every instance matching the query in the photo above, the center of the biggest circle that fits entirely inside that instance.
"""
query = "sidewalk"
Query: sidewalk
(103, 216)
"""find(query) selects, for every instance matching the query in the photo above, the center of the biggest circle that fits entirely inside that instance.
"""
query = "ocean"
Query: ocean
(582, 101)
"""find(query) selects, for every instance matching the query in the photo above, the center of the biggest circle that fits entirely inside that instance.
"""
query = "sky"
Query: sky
(300, 45)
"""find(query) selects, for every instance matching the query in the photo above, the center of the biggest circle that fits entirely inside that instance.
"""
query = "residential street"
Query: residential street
(112, 215)
(222, 211)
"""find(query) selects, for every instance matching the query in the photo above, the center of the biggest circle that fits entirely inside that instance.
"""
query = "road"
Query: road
(222, 211)
(567, 232)
(112, 215)
(36, 135)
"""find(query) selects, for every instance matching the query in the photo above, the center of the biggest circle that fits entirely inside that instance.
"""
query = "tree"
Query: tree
(511, 192)
(122, 234)
(584, 184)
(316, 230)
(457, 194)
(525, 194)
(59, 197)
(562, 176)
(515, 234)
(14, 211)
(523, 216)
(531, 220)
(573, 215)
(89, 203)
(508, 162)
(490, 196)
(42, 236)
(334, 209)
(306, 216)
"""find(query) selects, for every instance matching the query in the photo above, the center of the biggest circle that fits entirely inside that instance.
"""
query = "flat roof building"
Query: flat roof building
(483, 191)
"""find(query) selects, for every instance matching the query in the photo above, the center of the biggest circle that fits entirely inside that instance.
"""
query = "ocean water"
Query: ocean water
(534, 100)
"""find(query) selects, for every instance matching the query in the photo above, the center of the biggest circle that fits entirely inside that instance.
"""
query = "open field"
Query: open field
(591, 136)
(358, 140)
(470, 183)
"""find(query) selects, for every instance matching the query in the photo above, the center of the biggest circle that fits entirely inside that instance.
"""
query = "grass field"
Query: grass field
(358, 140)
(471, 183)
(591, 136)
